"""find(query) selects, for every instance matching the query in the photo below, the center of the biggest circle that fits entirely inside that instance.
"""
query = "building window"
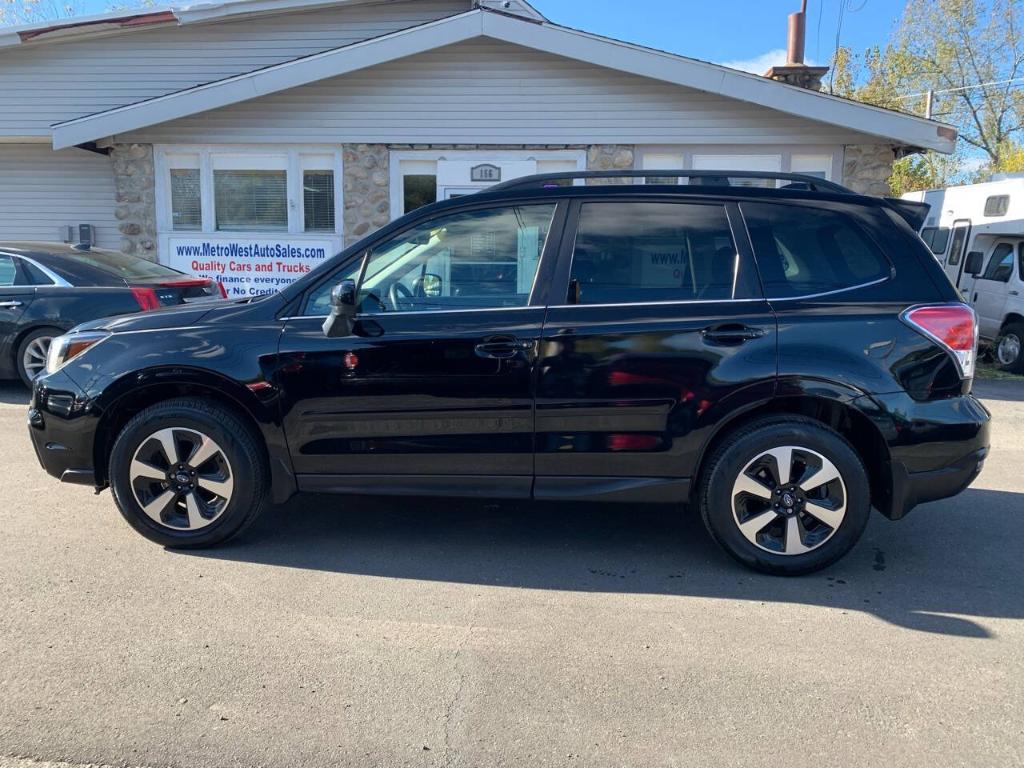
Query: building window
(186, 206)
(663, 161)
(318, 201)
(251, 200)
(766, 163)
(418, 189)
(819, 166)
(257, 190)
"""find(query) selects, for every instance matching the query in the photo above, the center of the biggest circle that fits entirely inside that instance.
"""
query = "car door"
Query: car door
(434, 389)
(656, 327)
(16, 293)
(957, 244)
(992, 288)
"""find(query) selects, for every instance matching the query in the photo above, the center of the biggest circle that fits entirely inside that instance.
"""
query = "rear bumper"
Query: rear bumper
(62, 426)
(936, 448)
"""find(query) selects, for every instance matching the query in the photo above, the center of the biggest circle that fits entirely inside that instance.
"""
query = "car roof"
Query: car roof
(60, 259)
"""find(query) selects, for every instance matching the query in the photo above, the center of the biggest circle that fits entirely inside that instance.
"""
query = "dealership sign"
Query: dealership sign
(247, 266)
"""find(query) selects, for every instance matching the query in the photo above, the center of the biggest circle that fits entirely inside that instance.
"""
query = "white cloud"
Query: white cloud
(761, 64)
(975, 164)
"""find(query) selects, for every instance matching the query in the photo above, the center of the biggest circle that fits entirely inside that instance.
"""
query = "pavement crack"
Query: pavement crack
(453, 703)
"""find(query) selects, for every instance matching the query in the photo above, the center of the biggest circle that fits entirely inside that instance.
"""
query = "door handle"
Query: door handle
(731, 334)
(1015, 293)
(9, 304)
(502, 347)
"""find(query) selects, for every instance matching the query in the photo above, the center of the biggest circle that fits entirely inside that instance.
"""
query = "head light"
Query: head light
(66, 348)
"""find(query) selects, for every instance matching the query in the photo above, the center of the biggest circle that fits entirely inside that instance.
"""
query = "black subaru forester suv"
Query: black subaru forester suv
(772, 349)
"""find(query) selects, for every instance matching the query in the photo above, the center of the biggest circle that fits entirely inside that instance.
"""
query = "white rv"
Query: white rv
(976, 231)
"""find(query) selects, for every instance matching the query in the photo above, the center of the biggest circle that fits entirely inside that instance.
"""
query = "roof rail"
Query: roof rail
(707, 178)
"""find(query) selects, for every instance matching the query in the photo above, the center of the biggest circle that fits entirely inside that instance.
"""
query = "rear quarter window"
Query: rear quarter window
(803, 251)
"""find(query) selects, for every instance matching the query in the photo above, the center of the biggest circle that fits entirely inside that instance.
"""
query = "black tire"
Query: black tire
(733, 456)
(31, 338)
(1012, 332)
(240, 445)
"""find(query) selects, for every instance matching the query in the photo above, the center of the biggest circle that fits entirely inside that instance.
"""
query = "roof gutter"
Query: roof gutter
(120, 22)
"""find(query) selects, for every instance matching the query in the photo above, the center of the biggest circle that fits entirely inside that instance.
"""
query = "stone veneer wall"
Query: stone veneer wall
(366, 196)
(867, 168)
(610, 157)
(135, 189)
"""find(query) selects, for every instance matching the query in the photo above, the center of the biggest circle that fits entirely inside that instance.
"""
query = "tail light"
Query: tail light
(146, 297)
(954, 327)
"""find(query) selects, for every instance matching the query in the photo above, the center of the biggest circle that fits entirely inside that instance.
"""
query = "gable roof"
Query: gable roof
(889, 126)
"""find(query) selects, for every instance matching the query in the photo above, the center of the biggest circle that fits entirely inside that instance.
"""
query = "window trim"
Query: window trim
(293, 159)
(550, 252)
(559, 282)
(865, 233)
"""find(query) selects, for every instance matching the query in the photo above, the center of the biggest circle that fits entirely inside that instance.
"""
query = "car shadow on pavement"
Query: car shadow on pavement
(1008, 390)
(943, 569)
(14, 393)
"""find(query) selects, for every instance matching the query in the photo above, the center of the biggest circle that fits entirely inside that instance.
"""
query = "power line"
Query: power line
(964, 88)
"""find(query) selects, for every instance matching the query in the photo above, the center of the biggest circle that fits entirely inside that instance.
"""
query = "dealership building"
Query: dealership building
(262, 127)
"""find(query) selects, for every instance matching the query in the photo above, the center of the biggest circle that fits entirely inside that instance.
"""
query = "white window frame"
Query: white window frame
(831, 157)
(293, 159)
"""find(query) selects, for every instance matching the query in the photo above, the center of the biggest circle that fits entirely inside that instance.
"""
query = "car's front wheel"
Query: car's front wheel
(188, 473)
(785, 496)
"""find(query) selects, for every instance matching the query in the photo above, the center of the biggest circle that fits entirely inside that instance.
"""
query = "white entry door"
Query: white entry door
(420, 177)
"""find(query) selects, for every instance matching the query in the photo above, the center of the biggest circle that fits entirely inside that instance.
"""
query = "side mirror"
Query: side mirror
(973, 264)
(343, 310)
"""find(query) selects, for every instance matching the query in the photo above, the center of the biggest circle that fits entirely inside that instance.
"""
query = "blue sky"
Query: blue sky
(749, 33)
(744, 32)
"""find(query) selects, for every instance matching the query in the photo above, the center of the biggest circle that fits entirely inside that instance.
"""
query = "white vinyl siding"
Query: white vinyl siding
(48, 82)
(485, 91)
(42, 190)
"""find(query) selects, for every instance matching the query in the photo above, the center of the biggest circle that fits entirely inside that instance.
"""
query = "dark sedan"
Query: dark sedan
(48, 288)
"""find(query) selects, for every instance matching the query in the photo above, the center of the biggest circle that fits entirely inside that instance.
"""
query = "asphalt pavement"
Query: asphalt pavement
(380, 632)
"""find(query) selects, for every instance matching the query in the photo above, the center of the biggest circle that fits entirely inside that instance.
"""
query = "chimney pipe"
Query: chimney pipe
(797, 35)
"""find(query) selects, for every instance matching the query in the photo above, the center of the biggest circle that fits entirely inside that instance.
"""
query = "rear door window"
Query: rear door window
(8, 272)
(642, 251)
(803, 251)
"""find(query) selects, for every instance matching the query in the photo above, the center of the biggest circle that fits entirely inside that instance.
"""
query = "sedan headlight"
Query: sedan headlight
(66, 348)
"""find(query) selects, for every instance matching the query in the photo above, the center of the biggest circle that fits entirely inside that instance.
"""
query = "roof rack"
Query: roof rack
(706, 178)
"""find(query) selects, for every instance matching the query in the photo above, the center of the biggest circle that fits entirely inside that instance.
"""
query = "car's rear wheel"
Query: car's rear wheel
(188, 473)
(1009, 348)
(785, 496)
(32, 351)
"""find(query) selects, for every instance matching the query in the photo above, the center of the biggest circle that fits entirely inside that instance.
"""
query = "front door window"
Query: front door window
(477, 259)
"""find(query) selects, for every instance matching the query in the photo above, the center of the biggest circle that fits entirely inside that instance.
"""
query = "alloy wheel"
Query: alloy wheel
(789, 500)
(1008, 349)
(33, 361)
(181, 478)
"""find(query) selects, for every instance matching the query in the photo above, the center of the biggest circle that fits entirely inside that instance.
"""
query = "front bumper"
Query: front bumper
(936, 448)
(62, 426)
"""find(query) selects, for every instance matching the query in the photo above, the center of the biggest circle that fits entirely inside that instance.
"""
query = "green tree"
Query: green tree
(950, 47)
